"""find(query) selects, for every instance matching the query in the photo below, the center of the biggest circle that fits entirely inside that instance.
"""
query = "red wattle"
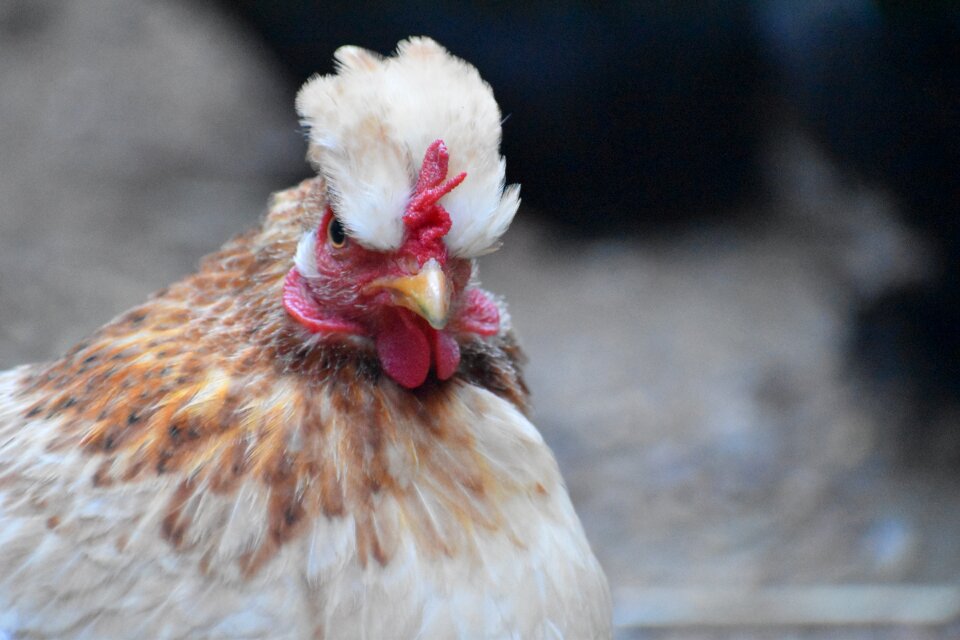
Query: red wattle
(403, 349)
(301, 306)
(446, 353)
(480, 314)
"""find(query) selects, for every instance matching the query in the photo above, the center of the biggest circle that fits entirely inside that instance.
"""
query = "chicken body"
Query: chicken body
(258, 453)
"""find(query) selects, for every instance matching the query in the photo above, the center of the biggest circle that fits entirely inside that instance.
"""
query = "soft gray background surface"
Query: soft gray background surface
(696, 389)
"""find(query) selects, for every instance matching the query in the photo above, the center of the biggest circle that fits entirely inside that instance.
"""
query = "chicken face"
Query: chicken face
(415, 302)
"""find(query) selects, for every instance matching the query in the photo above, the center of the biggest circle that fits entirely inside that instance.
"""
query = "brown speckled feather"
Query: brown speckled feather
(210, 381)
(203, 467)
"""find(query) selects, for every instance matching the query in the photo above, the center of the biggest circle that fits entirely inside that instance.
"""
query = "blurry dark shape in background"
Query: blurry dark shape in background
(618, 116)
(879, 85)
(634, 117)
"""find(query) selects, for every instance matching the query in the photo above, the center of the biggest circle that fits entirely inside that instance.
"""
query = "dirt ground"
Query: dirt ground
(733, 471)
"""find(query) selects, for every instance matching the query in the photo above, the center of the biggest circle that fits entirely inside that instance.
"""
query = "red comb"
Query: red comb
(426, 220)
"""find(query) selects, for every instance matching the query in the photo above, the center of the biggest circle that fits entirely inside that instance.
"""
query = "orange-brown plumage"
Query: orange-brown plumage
(218, 463)
(209, 380)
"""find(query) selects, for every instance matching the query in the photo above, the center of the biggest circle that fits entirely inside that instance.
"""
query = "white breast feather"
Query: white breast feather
(105, 572)
(372, 121)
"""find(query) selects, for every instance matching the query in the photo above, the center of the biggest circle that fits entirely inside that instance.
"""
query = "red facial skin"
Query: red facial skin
(338, 299)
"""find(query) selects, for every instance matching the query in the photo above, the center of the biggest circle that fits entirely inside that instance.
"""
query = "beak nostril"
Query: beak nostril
(409, 265)
(426, 293)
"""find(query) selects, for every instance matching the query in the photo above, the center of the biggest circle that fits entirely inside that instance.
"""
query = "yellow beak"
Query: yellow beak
(426, 293)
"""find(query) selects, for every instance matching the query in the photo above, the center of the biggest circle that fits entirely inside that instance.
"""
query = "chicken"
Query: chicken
(320, 434)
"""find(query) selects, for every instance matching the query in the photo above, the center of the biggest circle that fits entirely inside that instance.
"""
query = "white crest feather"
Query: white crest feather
(370, 125)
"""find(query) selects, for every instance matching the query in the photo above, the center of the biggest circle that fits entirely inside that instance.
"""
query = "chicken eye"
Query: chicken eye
(335, 233)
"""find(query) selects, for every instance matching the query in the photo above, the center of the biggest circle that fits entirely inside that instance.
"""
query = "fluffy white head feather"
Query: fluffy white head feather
(370, 125)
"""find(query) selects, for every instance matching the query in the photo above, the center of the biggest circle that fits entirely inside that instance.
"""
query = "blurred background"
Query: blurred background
(735, 270)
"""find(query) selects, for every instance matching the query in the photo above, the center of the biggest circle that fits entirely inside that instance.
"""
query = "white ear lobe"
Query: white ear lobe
(349, 57)
(306, 257)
